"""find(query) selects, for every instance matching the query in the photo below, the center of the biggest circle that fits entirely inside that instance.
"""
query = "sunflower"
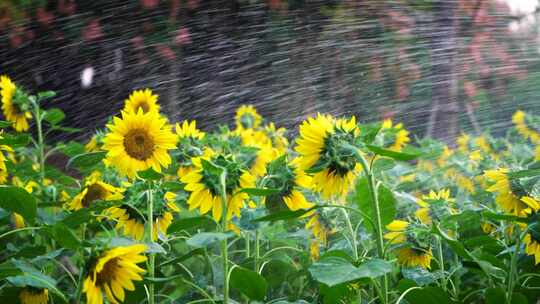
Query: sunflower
(463, 142)
(17, 220)
(161, 224)
(412, 252)
(324, 147)
(289, 179)
(127, 219)
(247, 117)
(435, 204)
(277, 137)
(170, 199)
(188, 130)
(112, 272)
(143, 100)
(34, 295)
(204, 187)
(532, 246)
(92, 145)
(12, 110)
(94, 189)
(414, 257)
(508, 192)
(401, 136)
(139, 141)
(265, 152)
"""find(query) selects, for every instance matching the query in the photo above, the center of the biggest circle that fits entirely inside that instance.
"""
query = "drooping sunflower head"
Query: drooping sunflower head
(463, 142)
(34, 295)
(128, 219)
(247, 117)
(204, 185)
(161, 224)
(138, 141)
(532, 242)
(256, 150)
(319, 226)
(112, 272)
(508, 192)
(290, 180)
(14, 104)
(93, 190)
(414, 257)
(142, 100)
(325, 147)
(278, 138)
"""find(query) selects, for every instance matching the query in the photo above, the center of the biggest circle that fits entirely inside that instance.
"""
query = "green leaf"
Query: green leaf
(420, 275)
(46, 94)
(503, 217)
(259, 191)
(392, 154)
(198, 222)
(204, 239)
(15, 140)
(7, 269)
(172, 186)
(283, 215)
(4, 124)
(369, 132)
(333, 271)
(248, 282)
(192, 253)
(387, 203)
(494, 295)
(524, 173)
(429, 295)
(54, 116)
(150, 174)
(33, 277)
(86, 160)
(64, 236)
(16, 199)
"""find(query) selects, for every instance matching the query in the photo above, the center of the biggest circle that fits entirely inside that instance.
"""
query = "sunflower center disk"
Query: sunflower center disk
(142, 105)
(108, 272)
(139, 144)
(94, 192)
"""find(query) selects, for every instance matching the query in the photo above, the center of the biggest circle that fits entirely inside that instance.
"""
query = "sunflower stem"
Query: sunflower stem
(257, 251)
(152, 257)
(40, 143)
(224, 243)
(441, 262)
(353, 243)
(513, 264)
(378, 223)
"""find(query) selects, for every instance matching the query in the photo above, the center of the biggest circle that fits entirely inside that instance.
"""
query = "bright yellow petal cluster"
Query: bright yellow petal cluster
(397, 232)
(310, 143)
(412, 257)
(532, 247)
(139, 141)
(11, 111)
(94, 189)
(505, 198)
(188, 130)
(141, 100)
(127, 221)
(247, 117)
(114, 271)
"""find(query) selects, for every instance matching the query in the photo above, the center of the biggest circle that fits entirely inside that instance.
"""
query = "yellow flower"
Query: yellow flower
(463, 142)
(17, 220)
(112, 272)
(11, 110)
(318, 227)
(170, 199)
(143, 100)
(139, 141)
(483, 144)
(34, 295)
(397, 232)
(320, 145)
(314, 250)
(92, 145)
(506, 198)
(265, 153)
(424, 213)
(128, 220)
(414, 257)
(278, 140)
(188, 130)
(401, 137)
(537, 153)
(205, 194)
(532, 247)
(247, 117)
(94, 189)
(161, 224)
(476, 156)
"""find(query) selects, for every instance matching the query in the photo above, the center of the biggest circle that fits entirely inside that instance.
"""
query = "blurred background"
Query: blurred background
(440, 67)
